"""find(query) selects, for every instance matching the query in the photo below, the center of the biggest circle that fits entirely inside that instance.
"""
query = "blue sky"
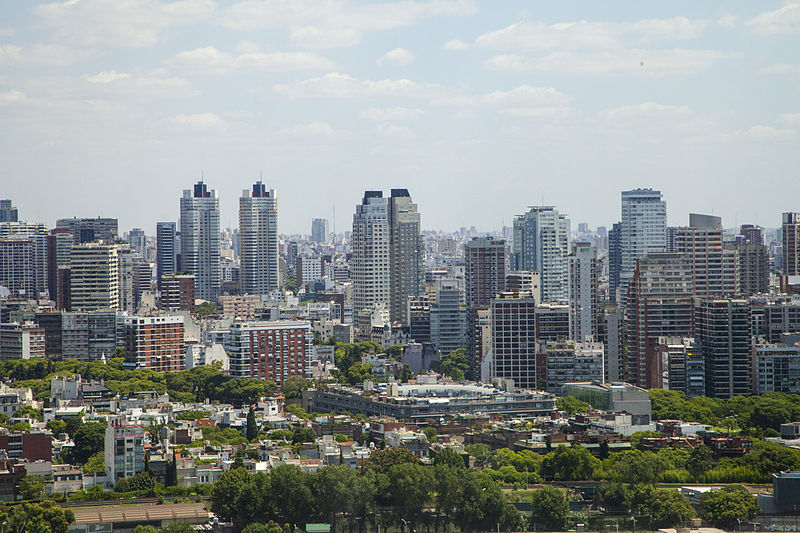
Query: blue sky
(112, 107)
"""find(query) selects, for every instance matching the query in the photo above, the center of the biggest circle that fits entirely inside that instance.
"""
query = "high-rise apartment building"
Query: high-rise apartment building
(614, 260)
(753, 268)
(513, 319)
(8, 213)
(138, 241)
(166, 250)
(714, 267)
(59, 248)
(269, 350)
(94, 277)
(200, 239)
(153, 342)
(124, 449)
(23, 340)
(177, 293)
(258, 240)
(90, 229)
(319, 230)
(23, 258)
(659, 304)
(790, 237)
(565, 362)
(751, 234)
(369, 266)
(386, 267)
(541, 243)
(448, 315)
(484, 278)
(524, 281)
(643, 228)
(583, 295)
(722, 332)
(406, 277)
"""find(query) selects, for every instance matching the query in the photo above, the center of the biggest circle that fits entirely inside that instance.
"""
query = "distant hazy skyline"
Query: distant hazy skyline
(479, 109)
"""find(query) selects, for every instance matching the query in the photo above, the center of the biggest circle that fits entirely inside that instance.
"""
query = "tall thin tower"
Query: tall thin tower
(258, 239)
(200, 239)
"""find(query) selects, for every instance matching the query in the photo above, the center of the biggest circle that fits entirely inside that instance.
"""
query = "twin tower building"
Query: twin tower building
(199, 246)
(386, 244)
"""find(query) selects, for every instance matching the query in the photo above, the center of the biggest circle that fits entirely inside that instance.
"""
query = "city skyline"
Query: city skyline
(116, 106)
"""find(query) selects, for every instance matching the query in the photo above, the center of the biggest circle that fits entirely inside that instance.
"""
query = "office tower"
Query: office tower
(406, 253)
(370, 242)
(513, 331)
(94, 277)
(177, 293)
(722, 332)
(448, 316)
(8, 213)
(23, 258)
(569, 362)
(659, 304)
(643, 228)
(484, 278)
(258, 240)
(753, 268)
(583, 296)
(614, 260)
(200, 239)
(269, 350)
(166, 250)
(525, 281)
(541, 243)
(90, 229)
(59, 248)
(790, 234)
(714, 268)
(319, 230)
(138, 241)
(152, 342)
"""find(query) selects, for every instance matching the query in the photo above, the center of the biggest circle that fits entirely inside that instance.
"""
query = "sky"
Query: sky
(478, 108)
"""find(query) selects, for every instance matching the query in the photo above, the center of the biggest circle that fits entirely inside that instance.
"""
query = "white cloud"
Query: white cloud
(539, 112)
(338, 85)
(779, 70)
(212, 61)
(393, 130)
(782, 21)
(41, 55)
(762, 133)
(646, 110)
(398, 57)
(593, 35)
(727, 21)
(456, 45)
(313, 129)
(200, 121)
(790, 119)
(14, 97)
(323, 37)
(642, 62)
(251, 15)
(120, 22)
(526, 95)
(106, 77)
(391, 114)
(7, 32)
